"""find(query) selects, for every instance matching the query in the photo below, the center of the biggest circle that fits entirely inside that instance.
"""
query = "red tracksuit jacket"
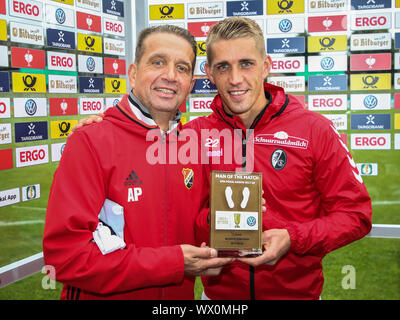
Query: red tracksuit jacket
(108, 160)
(311, 186)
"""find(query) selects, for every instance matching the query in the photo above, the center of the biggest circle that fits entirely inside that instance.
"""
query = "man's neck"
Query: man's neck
(159, 118)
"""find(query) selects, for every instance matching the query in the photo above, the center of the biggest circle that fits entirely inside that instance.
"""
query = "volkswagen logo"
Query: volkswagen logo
(327, 63)
(90, 64)
(203, 67)
(370, 101)
(251, 221)
(285, 25)
(30, 107)
(60, 16)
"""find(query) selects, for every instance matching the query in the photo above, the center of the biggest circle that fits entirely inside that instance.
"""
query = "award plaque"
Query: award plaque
(235, 213)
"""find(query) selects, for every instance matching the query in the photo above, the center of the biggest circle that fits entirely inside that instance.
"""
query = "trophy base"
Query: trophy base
(243, 253)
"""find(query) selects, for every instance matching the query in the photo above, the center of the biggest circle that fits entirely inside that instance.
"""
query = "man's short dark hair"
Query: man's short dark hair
(166, 28)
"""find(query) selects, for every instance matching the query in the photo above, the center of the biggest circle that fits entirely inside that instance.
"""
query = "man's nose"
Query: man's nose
(170, 72)
(235, 76)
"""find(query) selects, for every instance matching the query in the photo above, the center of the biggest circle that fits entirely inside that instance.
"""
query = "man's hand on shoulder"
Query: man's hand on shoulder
(86, 121)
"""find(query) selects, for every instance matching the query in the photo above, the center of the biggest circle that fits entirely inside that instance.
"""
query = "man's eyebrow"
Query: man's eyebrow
(158, 55)
(224, 62)
(165, 57)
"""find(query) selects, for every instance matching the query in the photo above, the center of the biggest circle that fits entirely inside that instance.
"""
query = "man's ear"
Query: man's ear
(132, 74)
(209, 73)
(267, 66)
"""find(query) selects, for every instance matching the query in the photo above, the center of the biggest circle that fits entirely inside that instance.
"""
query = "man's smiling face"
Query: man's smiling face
(162, 79)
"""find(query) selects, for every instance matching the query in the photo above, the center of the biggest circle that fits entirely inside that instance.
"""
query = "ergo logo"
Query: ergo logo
(58, 61)
(27, 156)
(92, 106)
(3, 108)
(114, 27)
(25, 8)
(328, 102)
(202, 105)
(370, 21)
(370, 141)
(288, 64)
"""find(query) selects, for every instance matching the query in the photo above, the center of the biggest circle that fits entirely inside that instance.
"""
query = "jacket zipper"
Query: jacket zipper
(163, 140)
(251, 268)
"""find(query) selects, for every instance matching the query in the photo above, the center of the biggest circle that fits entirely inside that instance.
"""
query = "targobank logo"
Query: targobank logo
(286, 45)
(370, 4)
(244, 8)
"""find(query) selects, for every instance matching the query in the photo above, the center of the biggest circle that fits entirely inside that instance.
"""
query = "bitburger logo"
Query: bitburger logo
(188, 176)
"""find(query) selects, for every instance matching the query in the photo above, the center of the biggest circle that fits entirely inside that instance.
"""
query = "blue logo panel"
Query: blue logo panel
(286, 45)
(397, 40)
(114, 7)
(204, 86)
(327, 83)
(370, 5)
(244, 8)
(30, 131)
(370, 121)
(60, 39)
(90, 85)
(4, 82)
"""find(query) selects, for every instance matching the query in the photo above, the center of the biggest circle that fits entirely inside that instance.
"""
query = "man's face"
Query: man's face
(238, 69)
(163, 78)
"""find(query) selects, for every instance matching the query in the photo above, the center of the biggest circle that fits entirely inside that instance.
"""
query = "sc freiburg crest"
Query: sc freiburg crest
(188, 175)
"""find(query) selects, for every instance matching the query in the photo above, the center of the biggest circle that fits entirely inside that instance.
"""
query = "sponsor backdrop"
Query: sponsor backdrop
(338, 57)
(59, 61)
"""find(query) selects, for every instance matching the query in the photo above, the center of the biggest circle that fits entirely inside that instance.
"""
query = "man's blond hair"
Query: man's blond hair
(235, 28)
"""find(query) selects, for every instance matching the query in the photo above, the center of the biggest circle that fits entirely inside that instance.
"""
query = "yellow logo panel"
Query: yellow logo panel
(3, 30)
(167, 11)
(29, 82)
(373, 81)
(397, 3)
(61, 129)
(201, 48)
(71, 2)
(116, 85)
(89, 43)
(397, 121)
(285, 6)
(327, 43)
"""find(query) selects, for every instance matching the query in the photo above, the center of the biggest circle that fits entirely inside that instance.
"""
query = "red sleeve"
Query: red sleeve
(346, 204)
(76, 196)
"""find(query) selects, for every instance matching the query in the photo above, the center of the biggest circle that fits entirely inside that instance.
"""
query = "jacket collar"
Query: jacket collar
(135, 110)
